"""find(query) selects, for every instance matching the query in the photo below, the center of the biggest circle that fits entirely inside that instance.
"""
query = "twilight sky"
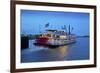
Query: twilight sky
(32, 21)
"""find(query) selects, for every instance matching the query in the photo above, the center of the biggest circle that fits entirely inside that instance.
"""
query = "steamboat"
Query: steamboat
(55, 38)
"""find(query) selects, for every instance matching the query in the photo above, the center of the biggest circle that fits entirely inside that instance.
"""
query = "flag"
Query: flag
(46, 25)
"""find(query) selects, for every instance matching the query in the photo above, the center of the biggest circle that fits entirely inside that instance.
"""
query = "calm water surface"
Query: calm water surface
(76, 51)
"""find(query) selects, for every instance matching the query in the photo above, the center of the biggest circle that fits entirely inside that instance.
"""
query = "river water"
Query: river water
(75, 51)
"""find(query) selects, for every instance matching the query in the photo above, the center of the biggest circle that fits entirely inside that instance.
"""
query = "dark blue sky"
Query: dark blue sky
(32, 21)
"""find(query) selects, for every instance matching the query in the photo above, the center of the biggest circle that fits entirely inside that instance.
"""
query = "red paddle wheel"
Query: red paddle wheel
(42, 40)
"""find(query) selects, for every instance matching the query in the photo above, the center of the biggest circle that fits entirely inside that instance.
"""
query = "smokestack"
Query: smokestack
(69, 29)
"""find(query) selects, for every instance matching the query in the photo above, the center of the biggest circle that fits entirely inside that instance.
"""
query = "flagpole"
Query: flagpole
(39, 29)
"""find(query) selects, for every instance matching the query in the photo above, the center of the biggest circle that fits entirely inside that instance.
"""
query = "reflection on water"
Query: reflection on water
(76, 51)
(63, 51)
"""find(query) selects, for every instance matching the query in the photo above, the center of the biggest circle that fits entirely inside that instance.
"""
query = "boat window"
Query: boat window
(57, 36)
